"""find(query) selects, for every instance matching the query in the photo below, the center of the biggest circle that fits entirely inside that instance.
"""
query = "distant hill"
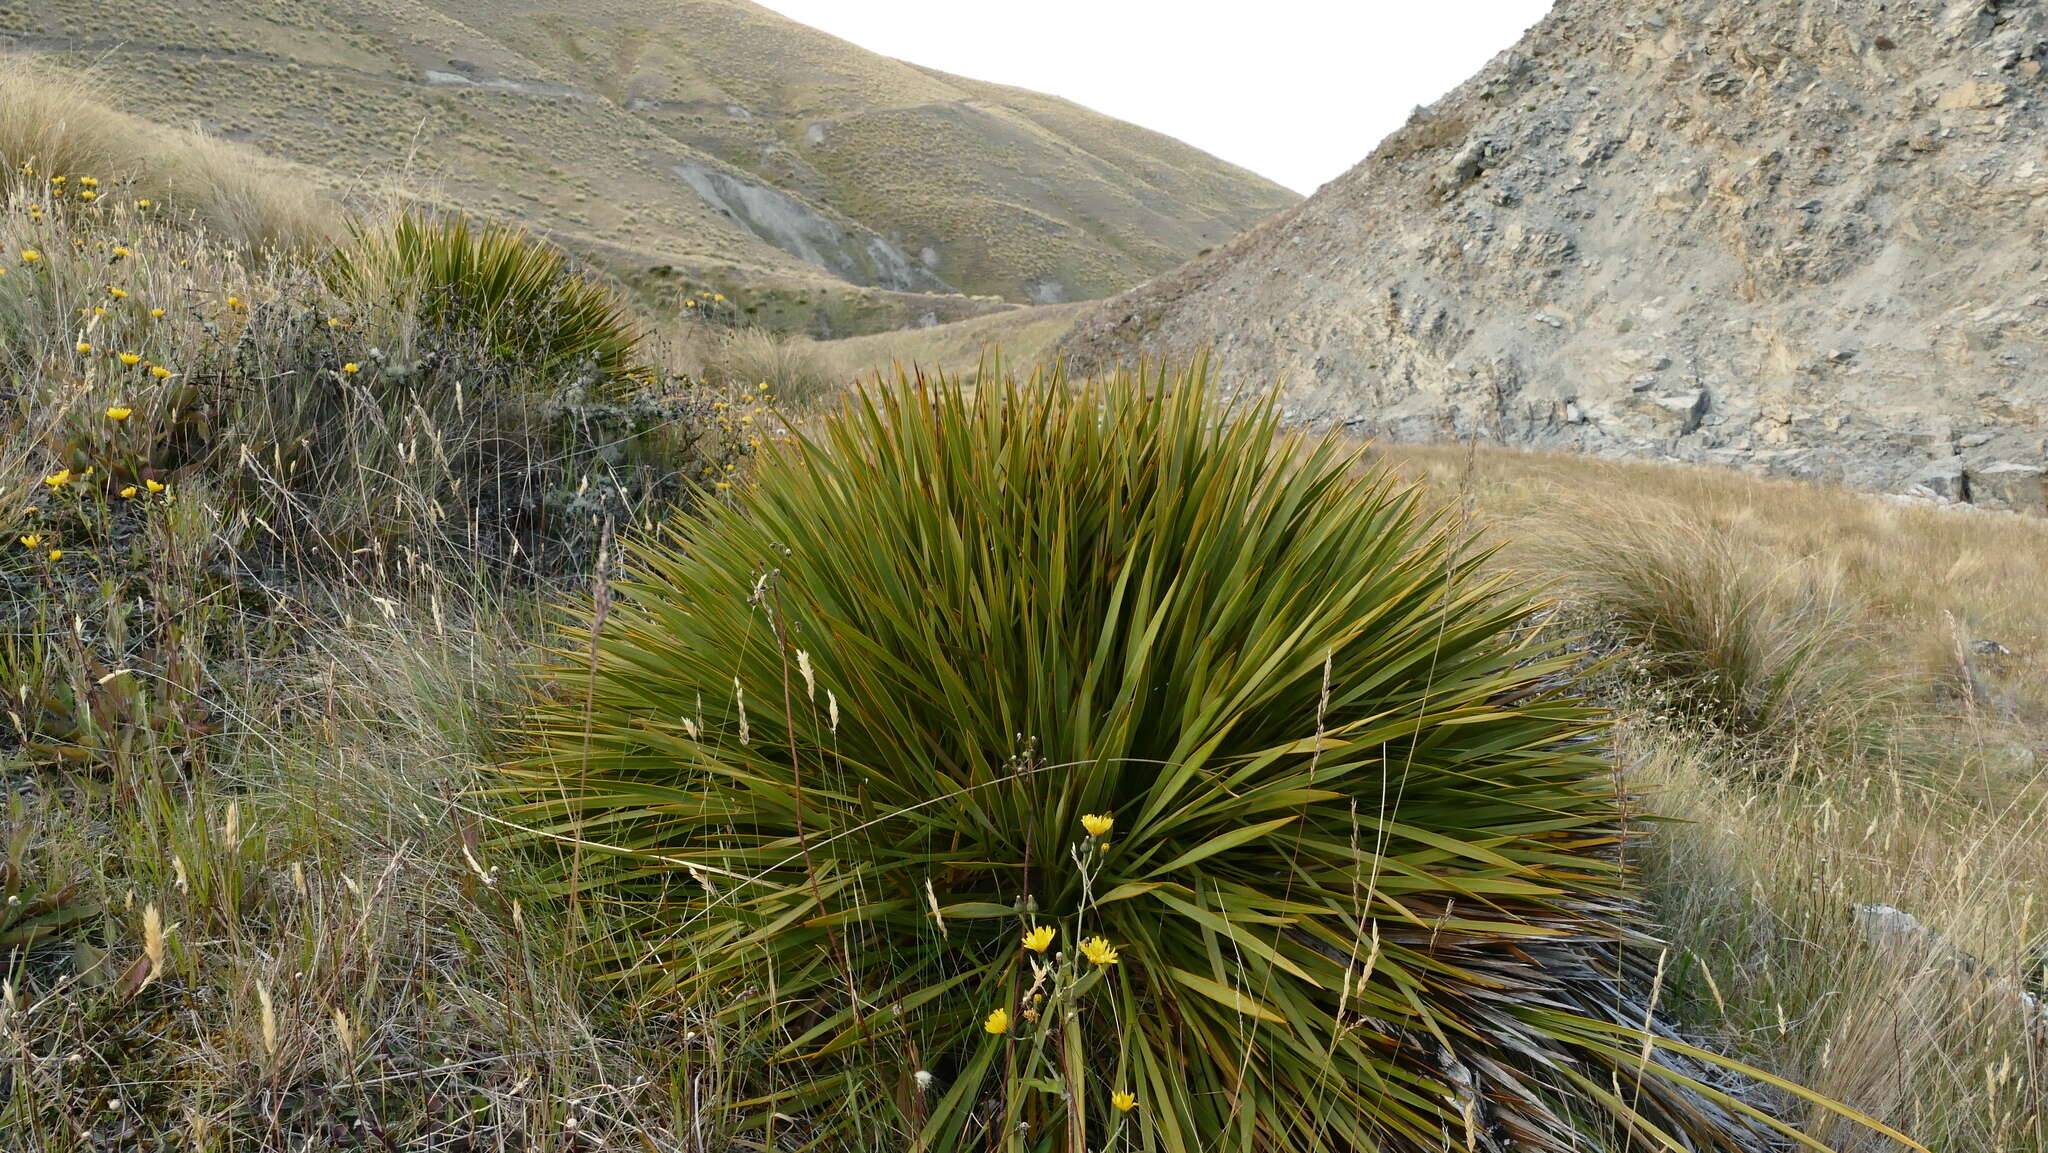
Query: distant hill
(689, 144)
(1806, 236)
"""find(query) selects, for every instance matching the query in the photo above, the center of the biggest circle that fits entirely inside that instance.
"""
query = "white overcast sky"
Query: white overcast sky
(1295, 90)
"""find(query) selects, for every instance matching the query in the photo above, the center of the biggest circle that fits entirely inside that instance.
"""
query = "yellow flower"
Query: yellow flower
(1040, 939)
(117, 293)
(1123, 1101)
(1099, 951)
(234, 302)
(131, 359)
(31, 540)
(119, 413)
(144, 204)
(718, 298)
(351, 368)
(998, 1022)
(58, 479)
(154, 486)
(156, 314)
(129, 492)
(30, 256)
(121, 250)
(88, 194)
(89, 182)
(160, 372)
(689, 304)
(1098, 824)
(84, 348)
(56, 554)
(56, 180)
(334, 322)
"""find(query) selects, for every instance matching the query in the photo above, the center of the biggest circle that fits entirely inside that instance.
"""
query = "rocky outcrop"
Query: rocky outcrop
(1802, 236)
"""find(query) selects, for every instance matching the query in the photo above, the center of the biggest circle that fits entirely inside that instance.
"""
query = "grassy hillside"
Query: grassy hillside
(693, 145)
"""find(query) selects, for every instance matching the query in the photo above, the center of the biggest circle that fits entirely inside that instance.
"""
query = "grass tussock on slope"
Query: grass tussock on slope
(58, 126)
(1920, 625)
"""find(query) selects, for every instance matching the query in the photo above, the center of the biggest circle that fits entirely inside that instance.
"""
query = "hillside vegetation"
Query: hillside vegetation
(689, 145)
(380, 772)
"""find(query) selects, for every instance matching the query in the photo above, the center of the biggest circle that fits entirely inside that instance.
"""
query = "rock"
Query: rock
(1974, 94)
(2008, 485)
(1945, 482)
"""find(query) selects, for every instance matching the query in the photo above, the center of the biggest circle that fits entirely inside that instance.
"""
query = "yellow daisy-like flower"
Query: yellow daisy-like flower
(118, 293)
(718, 298)
(121, 250)
(58, 479)
(129, 492)
(1098, 824)
(88, 194)
(998, 1022)
(1040, 939)
(145, 204)
(56, 180)
(32, 540)
(160, 372)
(351, 368)
(1123, 1101)
(235, 302)
(56, 554)
(84, 347)
(30, 256)
(689, 304)
(89, 181)
(131, 359)
(119, 413)
(154, 486)
(334, 322)
(156, 314)
(1099, 951)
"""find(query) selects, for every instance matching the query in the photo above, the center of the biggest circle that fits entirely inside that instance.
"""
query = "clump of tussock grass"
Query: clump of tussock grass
(792, 369)
(1757, 878)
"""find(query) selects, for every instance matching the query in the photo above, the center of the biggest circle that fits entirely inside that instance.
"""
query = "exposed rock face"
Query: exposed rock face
(1803, 236)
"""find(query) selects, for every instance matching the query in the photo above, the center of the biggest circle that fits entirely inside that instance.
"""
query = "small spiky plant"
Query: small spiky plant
(1047, 767)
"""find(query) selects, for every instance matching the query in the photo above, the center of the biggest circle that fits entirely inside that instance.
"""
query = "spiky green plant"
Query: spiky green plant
(511, 291)
(842, 744)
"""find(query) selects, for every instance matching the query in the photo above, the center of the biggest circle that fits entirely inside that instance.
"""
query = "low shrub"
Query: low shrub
(1048, 767)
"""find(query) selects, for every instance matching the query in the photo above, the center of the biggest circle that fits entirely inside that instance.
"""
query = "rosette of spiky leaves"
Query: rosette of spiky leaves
(491, 284)
(833, 744)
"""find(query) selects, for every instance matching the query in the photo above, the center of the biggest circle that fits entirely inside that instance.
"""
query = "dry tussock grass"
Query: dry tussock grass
(1947, 819)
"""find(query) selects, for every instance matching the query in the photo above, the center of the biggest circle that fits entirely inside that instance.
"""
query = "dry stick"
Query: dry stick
(601, 596)
(797, 786)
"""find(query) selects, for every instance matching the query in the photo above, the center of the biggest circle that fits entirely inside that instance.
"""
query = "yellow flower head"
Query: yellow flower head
(30, 256)
(84, 347)
(56, 554)
(1098, 824)
(121, 250)
(689, 304)
(58, 479)
(718, 298)
(1099, 951)
(88, 194)
(154, 486)
(998, 1022)
(89, 182)
(156, 314)
(118, 293)
(160, 372)
(144, 204)
(129, 492)
(56, 180)
(131, 359)
(351, 368)
(119, 413)
(1123, 1101)
(334, 322)
(1040, 939)
(32, 540)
